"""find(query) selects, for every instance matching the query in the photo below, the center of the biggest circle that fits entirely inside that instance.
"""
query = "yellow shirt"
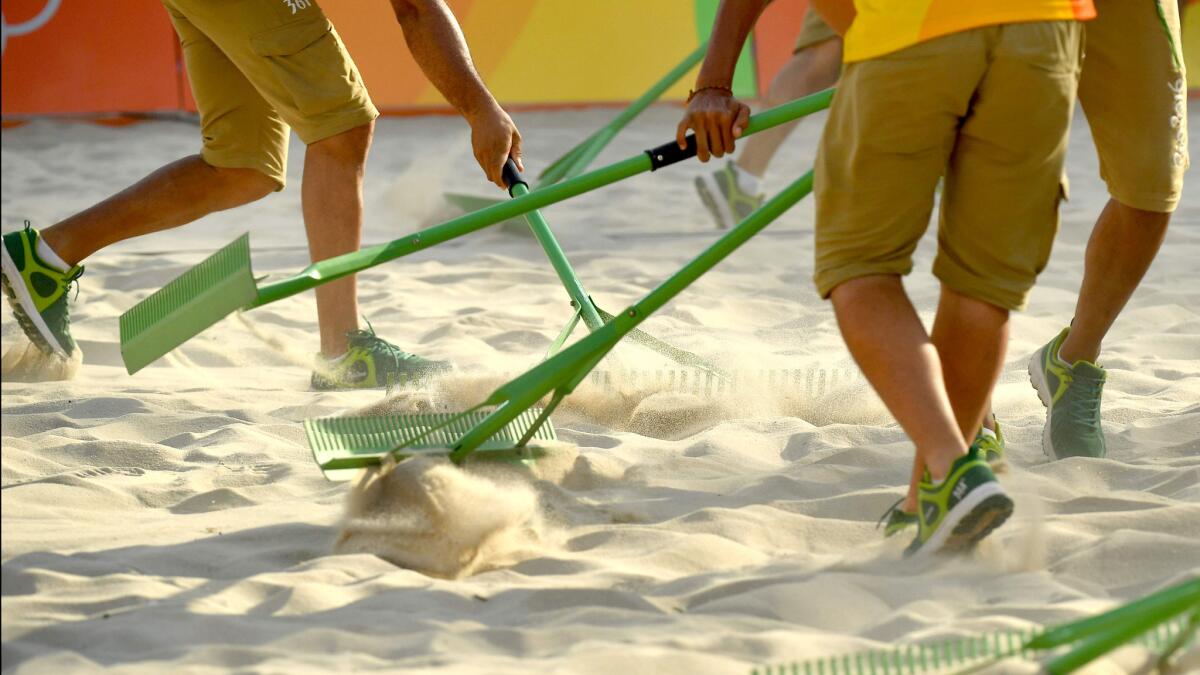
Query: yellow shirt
(883, 26)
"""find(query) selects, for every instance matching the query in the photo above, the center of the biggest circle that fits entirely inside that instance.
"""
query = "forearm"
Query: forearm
(735, 19)
(839, 14)
(438, 46)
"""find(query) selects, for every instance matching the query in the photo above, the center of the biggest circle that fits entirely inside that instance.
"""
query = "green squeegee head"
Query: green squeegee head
(342, 446)
(179, 311)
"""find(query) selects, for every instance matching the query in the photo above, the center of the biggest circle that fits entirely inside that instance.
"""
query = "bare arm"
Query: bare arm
(438, 46)
(715, 116)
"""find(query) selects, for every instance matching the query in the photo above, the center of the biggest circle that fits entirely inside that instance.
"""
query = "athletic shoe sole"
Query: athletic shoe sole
(972, 519)
(1037, 379)
(24, 309)
(717, 208)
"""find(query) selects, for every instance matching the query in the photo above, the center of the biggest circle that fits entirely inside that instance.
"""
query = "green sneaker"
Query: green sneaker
(957, 513)
(1071, 394)
(991, 444)
(897, 519)
(724, 198)
(373, 362)
(37, 292)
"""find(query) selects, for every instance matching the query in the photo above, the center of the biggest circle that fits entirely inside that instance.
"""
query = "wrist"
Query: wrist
(480, 106)
(718, 89)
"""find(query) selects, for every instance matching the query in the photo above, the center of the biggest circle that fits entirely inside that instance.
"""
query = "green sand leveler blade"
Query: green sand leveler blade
(222, 284)
(179, 311)
(342, 446)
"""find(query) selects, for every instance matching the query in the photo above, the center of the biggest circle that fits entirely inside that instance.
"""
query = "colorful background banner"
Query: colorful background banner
(66, 56)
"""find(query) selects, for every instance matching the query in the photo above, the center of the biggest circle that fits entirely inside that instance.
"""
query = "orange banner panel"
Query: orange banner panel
(775, 36)
(87, 57)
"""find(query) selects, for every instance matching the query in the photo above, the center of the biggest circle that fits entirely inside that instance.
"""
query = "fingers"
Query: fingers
(718, 130)
(514, 150)
(740, 122)
(702, 152)
(681, 132)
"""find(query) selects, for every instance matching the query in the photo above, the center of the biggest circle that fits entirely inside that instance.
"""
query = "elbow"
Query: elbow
(407, 11)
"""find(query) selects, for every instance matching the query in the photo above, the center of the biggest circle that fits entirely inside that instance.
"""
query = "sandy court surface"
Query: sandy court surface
(174, 520)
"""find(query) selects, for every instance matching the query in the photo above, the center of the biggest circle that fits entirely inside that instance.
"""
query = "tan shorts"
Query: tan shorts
(1134, 94)
(257, 68)
(991, 108)
(814, 30)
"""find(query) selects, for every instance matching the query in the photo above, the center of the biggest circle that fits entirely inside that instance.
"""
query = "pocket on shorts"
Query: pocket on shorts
(312, 79)
(291, 38)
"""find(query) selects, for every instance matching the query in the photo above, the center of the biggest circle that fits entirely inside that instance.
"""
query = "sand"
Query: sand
(173, 521)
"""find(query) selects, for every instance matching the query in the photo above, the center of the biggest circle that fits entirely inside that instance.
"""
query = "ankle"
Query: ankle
(938, 464)
(1072, 351)
(51, 254)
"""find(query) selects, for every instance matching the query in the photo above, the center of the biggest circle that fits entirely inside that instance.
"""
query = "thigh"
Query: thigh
(999, 211)
(890, 131)
(239, 127)
(1134, 94)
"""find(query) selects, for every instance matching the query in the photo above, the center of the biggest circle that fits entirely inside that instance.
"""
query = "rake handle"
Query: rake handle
(351, 263)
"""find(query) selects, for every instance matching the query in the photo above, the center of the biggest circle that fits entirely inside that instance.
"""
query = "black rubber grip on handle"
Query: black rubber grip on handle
(669, 153)
(512, 176)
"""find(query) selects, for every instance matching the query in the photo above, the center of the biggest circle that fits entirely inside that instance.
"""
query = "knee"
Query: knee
(349, 147)
(246, 185)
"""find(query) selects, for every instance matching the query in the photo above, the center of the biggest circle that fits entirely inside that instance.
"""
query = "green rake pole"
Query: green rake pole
(562, 373)
(1165, 620)
(336, 268)
(577, 164)
(585, 307)
(576, 160)
(225, 283)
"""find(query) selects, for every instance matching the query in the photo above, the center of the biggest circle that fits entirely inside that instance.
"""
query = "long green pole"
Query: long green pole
(558, 258)
(573, 163)
(564, 371)
(351, 263)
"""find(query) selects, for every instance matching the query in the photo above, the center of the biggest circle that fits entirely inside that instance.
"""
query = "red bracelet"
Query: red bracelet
(692, 93)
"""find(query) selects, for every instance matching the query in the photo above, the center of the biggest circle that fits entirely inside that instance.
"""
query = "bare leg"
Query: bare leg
(333, 206)
(811, 70)
(969, 337)
(886, 338)
(1120, 250)
(174, 195)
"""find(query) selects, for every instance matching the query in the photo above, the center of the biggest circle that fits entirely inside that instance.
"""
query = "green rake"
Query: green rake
(585, 308)
(505, 410)
(1165, 621)
(577, 159)
(224, 283)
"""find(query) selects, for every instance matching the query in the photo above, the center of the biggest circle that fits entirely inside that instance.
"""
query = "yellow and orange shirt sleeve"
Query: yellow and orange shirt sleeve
(884, 26)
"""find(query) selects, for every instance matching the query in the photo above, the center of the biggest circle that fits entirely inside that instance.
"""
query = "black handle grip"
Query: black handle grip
(512, 176)
(669, 153)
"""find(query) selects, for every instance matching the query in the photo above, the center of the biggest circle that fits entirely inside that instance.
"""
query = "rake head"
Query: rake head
(179, 311)
(343, 445)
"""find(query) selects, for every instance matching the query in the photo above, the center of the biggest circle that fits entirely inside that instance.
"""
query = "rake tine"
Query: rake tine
(541, 419)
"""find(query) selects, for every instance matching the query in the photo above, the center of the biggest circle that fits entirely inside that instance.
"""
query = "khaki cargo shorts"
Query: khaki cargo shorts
(990, 108)
(1134, 94)
(814, 30)
(259, 67)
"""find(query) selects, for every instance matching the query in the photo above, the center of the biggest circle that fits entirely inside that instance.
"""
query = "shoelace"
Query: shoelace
(368, 340)
(888, 513)
(69, 280)
(1086, 408)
